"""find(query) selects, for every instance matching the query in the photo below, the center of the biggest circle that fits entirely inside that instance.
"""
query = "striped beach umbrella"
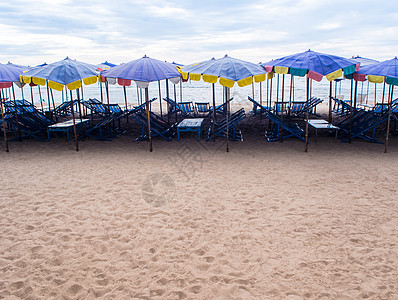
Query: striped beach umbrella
(386, 71)
(314, 65)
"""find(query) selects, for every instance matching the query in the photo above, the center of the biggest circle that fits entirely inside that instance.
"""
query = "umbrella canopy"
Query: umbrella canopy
(142, 71)
(9, 73)
(227, 69)
(65, 72)
(105, 66)
(314, 64)
(363, 60)
(384, 71)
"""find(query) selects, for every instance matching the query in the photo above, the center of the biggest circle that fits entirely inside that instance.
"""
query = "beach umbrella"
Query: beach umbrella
(143, 71)
(9, 73)
(314, 65)
(105, 66)
(227, 71)
(386, 71)
(65, 73)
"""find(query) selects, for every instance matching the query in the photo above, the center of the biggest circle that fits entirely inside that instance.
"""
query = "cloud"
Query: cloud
(189, 31)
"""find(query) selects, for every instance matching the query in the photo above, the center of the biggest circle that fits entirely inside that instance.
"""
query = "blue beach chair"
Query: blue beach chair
(203, 109)
(257, 107)
(221, 127)
(288, 130)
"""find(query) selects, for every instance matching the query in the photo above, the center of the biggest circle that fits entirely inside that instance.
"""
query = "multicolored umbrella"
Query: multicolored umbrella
(315, 65)
(143, 71)
(67, 72)
(9, 73)
(226, 70)
(363, 60)
(386, 71)
(105, 66)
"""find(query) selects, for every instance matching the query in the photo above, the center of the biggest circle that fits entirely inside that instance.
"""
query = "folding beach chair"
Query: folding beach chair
(289, 130)
(280, 108)
(106, 129)
(221, 127)
(359, 125)
(186, 108)
(257, 107)
(203, 109)
(173, 106)
(159, 126)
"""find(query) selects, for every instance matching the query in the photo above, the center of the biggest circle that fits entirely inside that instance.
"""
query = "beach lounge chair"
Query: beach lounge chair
(288, 130)
(362, 124)
(280, 107)
(221, 127)
(203, 109)
(341, 107)
(106, 129)
(186, 108)
(173, 106)
(159, 126)
(299, 109)
(222, 108)
(257, 107)
(64, 108)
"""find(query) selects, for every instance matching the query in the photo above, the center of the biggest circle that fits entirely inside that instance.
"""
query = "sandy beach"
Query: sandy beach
(190, 221)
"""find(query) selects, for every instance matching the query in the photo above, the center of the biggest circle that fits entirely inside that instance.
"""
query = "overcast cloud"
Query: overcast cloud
(40, 31)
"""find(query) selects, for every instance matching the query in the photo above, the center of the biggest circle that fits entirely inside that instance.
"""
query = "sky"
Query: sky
(94, 31)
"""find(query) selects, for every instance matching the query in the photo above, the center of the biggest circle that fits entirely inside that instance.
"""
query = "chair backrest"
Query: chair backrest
(280, 107)
(202, 107)
(186, 107)
(298, 106)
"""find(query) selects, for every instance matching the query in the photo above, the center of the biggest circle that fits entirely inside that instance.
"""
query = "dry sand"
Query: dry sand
(190, 221)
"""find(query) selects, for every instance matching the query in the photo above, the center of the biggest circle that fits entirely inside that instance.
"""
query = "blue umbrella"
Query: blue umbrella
(143, 71)
(8, 74)
(105, 65)
(66, 72)
(315, 65)
(363, 60)
(227, 69)
(386, 71)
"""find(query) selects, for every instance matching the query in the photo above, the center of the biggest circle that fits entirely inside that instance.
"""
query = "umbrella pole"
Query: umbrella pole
(107, 95)
(168, 97)
(102, 96)
(214, 110)
(49, 105)
(253, 89)
(160, 99)
(384, 91)
(227, 115)
(80, 113)
(148, 119)
(351, 111)
(180, 91)
(74, 123)
(261, 95)
(283, 98)
(13, 91)
(125, 100)
(41, 100)
(389, 118)
(306, 114)
(3, 122)
(175, 103)
(31, 95)
(355, 95)
(330, 101)
(290, 91)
